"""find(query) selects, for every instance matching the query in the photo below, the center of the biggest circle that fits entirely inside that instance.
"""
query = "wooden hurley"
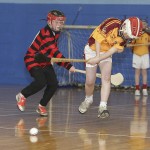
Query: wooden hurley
(116, 79)
(132, 45)
(67, 60)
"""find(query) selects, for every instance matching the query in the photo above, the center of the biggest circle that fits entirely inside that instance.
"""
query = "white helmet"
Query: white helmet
(132, 27)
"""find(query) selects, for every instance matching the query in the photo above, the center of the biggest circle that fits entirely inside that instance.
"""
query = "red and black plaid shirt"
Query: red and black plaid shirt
(45, 42)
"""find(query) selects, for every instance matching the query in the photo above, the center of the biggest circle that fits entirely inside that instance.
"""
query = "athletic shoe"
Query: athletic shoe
(84, 106)
(137, 93)
(103, 112)
(145, 93)
(21, 100)
(42, 110)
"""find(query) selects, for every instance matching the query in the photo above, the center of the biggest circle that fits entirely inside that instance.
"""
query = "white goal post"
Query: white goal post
(79, 27)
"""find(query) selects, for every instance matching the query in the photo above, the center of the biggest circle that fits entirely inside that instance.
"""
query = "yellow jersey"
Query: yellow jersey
(107, 34)
(142, 50)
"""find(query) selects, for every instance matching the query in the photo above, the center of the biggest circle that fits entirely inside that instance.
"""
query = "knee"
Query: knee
(90, 83)
(106, 78)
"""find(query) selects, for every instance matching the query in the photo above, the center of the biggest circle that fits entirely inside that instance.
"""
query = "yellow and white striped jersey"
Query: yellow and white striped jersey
(107, 35)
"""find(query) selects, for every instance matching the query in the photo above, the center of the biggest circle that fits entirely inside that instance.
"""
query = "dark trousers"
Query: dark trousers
(42, 77)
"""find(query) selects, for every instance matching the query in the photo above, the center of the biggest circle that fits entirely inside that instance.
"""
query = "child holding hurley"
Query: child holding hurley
(109, 37)
(43, 73)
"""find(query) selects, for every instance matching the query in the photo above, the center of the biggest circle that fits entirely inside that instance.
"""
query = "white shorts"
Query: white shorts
(140, 62)
(89, 53)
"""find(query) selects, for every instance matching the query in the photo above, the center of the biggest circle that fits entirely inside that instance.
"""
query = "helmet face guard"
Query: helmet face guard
(56, 15)
(56, 20)
(132, 28)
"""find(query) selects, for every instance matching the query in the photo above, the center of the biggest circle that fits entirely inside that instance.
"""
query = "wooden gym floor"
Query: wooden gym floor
(128, 127)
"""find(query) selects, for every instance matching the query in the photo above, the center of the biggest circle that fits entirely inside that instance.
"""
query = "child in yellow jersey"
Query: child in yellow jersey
(141, 61)
(109, 37)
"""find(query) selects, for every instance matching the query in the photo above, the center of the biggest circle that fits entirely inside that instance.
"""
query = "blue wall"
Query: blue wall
(20, 23)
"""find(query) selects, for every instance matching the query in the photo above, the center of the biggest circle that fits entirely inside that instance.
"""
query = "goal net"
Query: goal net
(71, 44)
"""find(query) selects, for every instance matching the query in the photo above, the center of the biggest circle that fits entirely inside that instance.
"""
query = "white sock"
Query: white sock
(103, 104)
(89, 98)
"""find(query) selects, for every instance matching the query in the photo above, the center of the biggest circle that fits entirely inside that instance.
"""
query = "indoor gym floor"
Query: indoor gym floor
(127, 128)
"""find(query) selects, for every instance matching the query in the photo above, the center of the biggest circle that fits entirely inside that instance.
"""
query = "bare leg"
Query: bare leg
(144, 87)
(105, 68)
(90, 80)
(137, 76)
(144, 76)
(137, 81)
(89, 89)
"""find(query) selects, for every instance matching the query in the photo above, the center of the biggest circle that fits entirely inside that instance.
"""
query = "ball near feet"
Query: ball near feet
(33, 131)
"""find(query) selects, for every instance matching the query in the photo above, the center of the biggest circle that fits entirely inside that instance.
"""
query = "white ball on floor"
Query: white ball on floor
(33, 131)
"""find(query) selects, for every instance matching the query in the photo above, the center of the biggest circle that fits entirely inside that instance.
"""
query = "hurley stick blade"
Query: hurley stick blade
(116, 79)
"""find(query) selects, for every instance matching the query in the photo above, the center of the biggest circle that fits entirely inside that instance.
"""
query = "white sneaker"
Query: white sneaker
(137, 93)
(103, 112)
(144, 91)
(84, 106)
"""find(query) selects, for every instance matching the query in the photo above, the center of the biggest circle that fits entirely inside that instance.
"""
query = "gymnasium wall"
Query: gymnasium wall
(19, 23)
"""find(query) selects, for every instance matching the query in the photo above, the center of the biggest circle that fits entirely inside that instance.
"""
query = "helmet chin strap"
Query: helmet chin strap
(120, 33)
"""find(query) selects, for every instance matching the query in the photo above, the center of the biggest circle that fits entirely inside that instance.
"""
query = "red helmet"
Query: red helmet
(132, 27)
(56, 15)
